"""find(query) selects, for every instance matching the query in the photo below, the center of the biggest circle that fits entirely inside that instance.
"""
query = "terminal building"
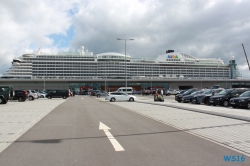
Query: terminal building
(171, 70)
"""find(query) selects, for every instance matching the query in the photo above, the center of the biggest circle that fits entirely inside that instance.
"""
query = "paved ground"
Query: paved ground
(70, 135)
(226, 131)
(18, 117)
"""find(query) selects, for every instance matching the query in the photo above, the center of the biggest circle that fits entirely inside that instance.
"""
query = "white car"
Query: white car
(128, 90)
(32, 94)
(172, 92)
(119, 96)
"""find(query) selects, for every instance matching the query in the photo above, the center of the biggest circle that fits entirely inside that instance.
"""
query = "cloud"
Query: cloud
(204, 29)
(26, 25)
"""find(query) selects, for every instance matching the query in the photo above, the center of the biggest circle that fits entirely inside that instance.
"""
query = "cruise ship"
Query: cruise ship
(111, 65)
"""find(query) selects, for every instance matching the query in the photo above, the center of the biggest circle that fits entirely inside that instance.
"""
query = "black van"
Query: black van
(223, 97)
(58, 94)
(6, 93)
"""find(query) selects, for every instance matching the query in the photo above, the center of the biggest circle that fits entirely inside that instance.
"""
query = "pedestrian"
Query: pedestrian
(162, 93)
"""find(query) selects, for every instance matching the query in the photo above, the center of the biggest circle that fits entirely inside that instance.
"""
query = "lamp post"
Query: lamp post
(105, 77)
(125, 61)
(43, 83)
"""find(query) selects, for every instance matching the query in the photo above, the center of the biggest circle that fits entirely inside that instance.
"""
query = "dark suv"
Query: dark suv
(188, 92)
(242, 101)
(204, 97)
(189, 98)
(58, 94)
(223, 97)
(20, 95)
(6, 93)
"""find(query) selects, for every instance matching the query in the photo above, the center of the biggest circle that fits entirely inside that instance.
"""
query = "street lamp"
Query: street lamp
(43, 83)
(125, 61)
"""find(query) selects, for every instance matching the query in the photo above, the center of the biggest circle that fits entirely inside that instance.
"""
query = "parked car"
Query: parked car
(6, 93)
(188, 92)
(204, 97)
(101, 93)
(32, 94)
(172, 92)
(64, 93)
(119, 96)
(128, 90)
(42, 94)
(84, 92)
(189, 98)
(215, 87)
(20, 95)
(223, 97)
(137, 92)
(93, 93)
(242, 101)
(182, 91)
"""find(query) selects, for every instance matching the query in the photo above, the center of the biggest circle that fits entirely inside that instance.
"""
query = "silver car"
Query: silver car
(119, 96)
(101, 93)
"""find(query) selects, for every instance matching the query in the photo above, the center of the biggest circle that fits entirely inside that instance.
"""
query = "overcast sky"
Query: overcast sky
(203, 29)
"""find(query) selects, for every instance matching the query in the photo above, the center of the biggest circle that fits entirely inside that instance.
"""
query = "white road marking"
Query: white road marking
(112, 139)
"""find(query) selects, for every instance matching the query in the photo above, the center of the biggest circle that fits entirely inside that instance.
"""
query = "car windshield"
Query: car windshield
(194, 93)
(245, 94)
(4, 89)
(208, 92)
(224, 92)
(188, 91)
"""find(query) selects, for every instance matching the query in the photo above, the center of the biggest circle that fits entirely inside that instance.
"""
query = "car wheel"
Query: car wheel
(131, 99)
(98, 96)
(20, 99)
(248, 105)
(206, 101)
(225, 103)
(234, 106)
(168, 94)
(64, 97)
(49, 97)
(5, 102)
(31, 98)
(42, 96)
(112, 99)
(179, 101)
(1, 100)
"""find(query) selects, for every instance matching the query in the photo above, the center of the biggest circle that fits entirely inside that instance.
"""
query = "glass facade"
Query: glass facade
(112, 86)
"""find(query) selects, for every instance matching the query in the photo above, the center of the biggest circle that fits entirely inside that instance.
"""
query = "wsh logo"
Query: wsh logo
(234, 158)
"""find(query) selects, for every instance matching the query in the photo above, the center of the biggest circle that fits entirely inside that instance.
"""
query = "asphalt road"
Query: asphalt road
(70, 135)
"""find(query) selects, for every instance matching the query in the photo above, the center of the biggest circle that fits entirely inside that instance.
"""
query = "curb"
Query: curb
(247, 119)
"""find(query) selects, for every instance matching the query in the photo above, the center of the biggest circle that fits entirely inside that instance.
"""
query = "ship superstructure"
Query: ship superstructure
(85, 65)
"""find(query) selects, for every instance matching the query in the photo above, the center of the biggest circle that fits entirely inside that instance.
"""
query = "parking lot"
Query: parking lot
(225, 128)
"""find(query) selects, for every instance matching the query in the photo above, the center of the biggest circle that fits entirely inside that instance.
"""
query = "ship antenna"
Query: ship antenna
(246, 56)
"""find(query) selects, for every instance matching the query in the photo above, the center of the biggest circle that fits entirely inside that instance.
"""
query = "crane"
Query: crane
(246, 56)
